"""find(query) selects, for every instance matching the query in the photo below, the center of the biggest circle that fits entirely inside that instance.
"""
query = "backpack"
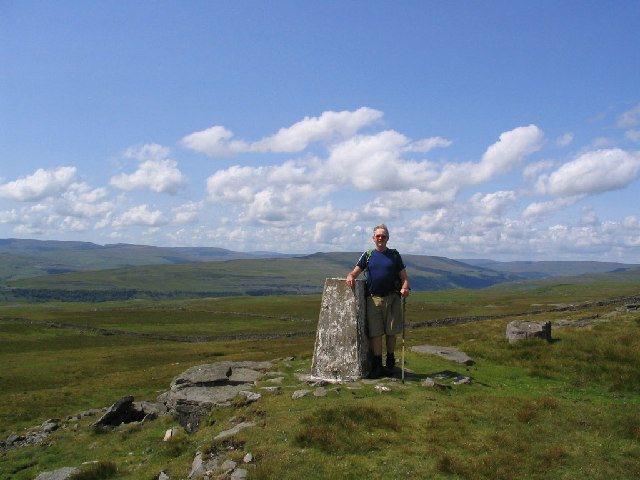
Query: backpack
(397, 284)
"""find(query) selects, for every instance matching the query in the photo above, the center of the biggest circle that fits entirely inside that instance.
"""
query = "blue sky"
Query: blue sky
(505, 130)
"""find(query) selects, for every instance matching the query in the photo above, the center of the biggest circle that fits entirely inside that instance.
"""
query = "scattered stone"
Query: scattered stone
(90, 413)
(239, 474)
(305, 377)
(197, 466)
(300, 393)
(319, 383)
(275, 380)
(578, 323)
(382, 388)
(163, 476)
(520, 330)
(228, 465)
(14, 438)
(234, 430)
(50, 425)
(61, 474)
(250, 396)
(248, 458)
(271, 389)
(169, 434)
(448, 353)
(320, 392)
(462, 380)
(431, 383)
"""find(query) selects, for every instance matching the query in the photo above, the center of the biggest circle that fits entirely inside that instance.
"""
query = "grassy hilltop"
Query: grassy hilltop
(565, 410)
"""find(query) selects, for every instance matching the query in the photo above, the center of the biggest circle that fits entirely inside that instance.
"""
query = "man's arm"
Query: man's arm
(353, 275)
(404, 291)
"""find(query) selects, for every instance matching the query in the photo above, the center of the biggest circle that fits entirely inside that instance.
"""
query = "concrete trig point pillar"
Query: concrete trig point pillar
(342, 345)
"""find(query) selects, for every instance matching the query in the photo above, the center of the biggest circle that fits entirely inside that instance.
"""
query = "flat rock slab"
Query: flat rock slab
(448, 353)
(196, 391)
(220, 373)
(234, 430)
(60, 474)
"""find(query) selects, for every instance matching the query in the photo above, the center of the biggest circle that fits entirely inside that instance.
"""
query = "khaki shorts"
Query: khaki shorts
(384, 315)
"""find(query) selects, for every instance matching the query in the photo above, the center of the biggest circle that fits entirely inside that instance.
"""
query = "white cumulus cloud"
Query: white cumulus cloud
(140, 216)
(630, 118)
(39, 185)
(158, 175)
(592, 172)
(216, 141)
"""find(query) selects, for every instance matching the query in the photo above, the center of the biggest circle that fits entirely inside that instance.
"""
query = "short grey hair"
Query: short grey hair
(382, 226)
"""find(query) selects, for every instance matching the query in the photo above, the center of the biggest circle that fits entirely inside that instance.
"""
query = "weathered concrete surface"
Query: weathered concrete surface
(342, 346)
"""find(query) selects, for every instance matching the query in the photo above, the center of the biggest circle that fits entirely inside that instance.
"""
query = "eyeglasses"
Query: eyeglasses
(382, 237)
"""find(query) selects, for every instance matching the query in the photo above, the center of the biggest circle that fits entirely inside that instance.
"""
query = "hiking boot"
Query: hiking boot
(390, 364)
(377, 370)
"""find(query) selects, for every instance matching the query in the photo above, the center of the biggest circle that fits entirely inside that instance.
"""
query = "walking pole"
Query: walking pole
(404, 304)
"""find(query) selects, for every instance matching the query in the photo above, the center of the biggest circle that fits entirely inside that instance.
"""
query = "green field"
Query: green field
(565, 410)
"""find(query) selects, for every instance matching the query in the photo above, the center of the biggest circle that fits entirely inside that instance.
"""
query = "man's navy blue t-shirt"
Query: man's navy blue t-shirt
(381, 271)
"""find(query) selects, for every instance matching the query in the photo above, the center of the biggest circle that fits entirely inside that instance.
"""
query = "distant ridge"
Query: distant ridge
(545, 269)
(83, 271)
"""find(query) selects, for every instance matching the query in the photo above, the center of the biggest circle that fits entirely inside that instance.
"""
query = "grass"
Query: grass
(564, 410)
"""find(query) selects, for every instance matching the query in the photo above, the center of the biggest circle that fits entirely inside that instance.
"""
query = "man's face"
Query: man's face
(380, 238)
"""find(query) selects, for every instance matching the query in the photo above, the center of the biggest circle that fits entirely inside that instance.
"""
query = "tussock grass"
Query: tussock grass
(96, 471)
(352, 429)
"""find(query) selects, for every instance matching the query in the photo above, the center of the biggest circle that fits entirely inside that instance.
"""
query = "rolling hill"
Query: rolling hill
(34, 270)
(30, 258)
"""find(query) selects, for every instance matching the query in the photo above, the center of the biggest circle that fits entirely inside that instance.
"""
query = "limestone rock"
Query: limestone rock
(234, 430)
(320, 392)
(61, 474)
(126, 410)
(50, 425)
(197, 466)
(196, 391)
(448, 353)
(520, 330)
(228, 465)
(431, 383)
(239, 474)
(300, 393)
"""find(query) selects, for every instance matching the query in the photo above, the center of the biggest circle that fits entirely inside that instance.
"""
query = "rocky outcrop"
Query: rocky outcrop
(196, 391)
(126, 410)
(520, 330)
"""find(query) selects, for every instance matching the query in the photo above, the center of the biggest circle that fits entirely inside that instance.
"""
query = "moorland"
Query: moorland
(563, 410)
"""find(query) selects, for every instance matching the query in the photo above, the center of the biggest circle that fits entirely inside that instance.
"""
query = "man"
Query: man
(387, 282)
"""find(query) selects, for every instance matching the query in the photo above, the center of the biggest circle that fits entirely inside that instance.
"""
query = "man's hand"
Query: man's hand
(350, 280)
